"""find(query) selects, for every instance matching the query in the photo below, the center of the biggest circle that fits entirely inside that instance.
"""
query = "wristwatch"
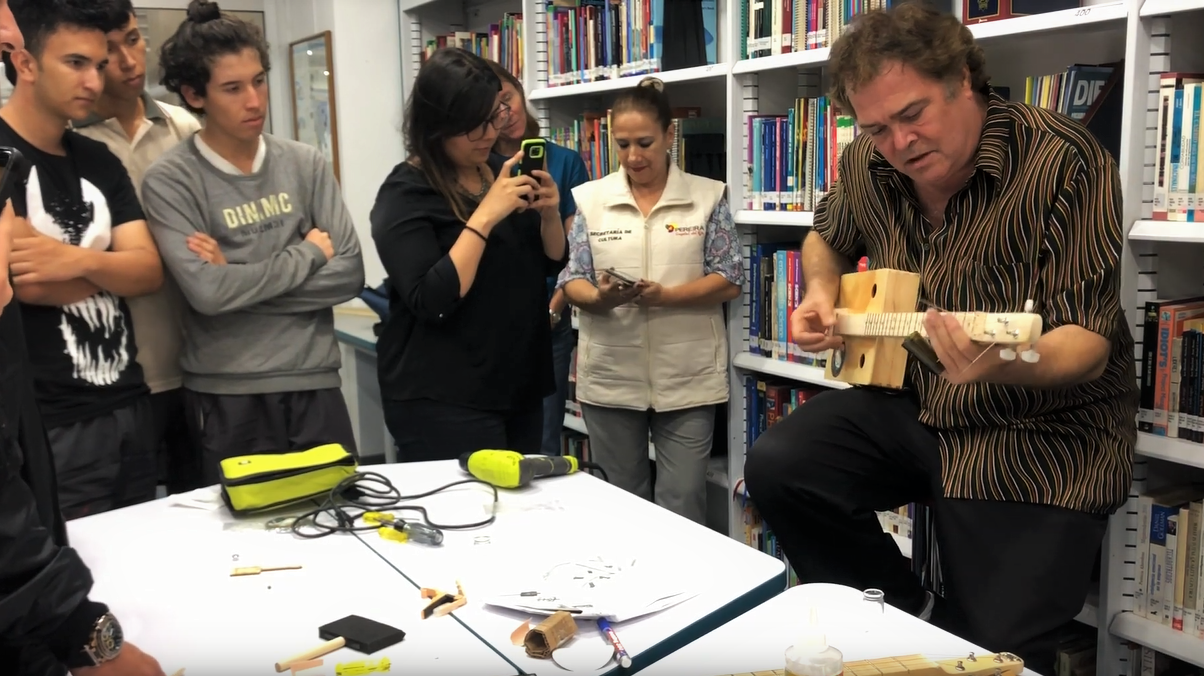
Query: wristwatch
(554, 315)
(104, 644)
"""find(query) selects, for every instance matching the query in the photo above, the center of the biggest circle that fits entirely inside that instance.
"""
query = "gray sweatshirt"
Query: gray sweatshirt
(264, 321)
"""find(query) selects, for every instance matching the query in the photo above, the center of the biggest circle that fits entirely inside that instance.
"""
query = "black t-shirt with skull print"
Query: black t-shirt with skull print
(83, 356)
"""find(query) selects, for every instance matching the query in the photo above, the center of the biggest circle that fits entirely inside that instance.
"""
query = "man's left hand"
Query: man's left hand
(964, 360)
(39, 259)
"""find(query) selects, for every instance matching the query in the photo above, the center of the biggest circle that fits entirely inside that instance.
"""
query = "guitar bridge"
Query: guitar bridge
(919, 347)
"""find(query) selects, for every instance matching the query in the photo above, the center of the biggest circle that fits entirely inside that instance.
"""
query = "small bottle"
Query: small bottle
(811, 655)
(873, 608)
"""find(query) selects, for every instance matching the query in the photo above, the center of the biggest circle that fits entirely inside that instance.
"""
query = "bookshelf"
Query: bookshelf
(1160, 258)
(1154, 8)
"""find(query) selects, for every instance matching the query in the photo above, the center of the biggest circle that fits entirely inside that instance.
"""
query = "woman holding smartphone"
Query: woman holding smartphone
(464, 359)
(652, 355)
(568, 171)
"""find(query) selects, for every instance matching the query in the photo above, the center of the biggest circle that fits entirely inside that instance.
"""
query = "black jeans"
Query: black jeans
(424, 429)
(106, 462)
(1014, 573)
(564, 339)
(230, 425)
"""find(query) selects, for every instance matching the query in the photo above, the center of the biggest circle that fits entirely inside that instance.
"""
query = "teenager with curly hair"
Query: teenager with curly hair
(254, 230)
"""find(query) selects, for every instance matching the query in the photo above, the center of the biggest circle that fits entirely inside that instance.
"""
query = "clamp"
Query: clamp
(441, 602)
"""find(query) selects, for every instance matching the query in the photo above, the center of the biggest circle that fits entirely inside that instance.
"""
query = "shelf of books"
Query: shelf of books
(601, 86)
(1170, 449)
(793, 219)
(1155, 589)
(1186, 232)
(808, 372)
(748, 80)
(1152, 8)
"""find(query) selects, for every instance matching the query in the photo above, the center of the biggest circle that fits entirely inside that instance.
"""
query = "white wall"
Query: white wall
(367, 70)
(237, 5)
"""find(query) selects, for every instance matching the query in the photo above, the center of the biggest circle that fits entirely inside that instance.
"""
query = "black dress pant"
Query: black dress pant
(424, 429)
(177, 450)
(230, 425)
(106, 462)
(1014, 573)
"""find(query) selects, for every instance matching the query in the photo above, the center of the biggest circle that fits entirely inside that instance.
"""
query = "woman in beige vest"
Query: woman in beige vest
(653, 255)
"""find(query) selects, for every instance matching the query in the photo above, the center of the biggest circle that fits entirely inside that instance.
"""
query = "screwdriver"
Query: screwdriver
(401, 531)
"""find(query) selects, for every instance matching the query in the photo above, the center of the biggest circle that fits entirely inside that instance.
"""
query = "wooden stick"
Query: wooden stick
(311, 654)
(255, 570)
(179, 673)
(307, 664)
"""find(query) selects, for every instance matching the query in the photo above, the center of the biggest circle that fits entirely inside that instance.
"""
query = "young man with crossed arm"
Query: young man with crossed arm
(80, 248)
(254, 230)
(138, 130)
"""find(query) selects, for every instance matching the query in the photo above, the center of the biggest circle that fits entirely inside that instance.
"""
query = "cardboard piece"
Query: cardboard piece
(550, 635)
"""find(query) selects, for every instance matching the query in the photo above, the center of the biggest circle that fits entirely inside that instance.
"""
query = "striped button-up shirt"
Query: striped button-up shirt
(1039, 219)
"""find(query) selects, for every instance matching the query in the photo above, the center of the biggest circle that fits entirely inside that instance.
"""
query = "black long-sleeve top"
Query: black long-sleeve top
(490, 350)
(44, 585)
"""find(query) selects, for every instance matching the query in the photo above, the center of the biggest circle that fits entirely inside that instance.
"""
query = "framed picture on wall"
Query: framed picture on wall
(157, 25)
(311, 71)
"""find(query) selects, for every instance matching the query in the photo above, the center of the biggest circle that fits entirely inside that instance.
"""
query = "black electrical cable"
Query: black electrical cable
(365, 492)
(594, 466)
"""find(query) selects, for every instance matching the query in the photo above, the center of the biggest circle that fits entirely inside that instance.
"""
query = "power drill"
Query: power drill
(511, 469)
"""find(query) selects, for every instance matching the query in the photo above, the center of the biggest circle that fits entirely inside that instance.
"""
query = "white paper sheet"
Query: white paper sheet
(593, 588)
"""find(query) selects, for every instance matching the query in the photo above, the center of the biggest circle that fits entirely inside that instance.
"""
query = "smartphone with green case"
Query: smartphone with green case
(534, 156)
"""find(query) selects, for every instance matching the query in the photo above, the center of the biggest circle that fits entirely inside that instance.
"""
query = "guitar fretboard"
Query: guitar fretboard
(890, 324)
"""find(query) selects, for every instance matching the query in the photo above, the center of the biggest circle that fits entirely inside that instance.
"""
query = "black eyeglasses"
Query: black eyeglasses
(498, 120)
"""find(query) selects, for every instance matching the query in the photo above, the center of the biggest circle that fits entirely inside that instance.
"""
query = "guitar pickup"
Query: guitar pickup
(919, 347)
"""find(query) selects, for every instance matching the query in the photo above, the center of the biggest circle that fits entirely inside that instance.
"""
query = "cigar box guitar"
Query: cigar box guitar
(989, 664)
(876, 317)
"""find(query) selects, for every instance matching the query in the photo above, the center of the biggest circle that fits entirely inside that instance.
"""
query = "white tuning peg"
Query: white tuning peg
(1007, 354)
(1030, 356)
(1028, 306)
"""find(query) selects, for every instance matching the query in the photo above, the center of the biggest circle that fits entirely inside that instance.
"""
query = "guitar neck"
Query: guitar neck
(889, 324)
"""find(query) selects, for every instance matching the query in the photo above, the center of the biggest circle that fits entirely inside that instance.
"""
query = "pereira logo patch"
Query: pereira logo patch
(685, 229)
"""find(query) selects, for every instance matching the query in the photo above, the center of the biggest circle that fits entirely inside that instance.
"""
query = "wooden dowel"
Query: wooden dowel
(255, 570)
(314, 653)
(305, 666)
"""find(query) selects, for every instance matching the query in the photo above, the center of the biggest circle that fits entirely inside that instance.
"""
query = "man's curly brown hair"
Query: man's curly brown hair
(186, 58)
(935, 44)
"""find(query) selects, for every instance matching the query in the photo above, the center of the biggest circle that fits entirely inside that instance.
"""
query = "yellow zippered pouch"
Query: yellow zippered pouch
(253, 483)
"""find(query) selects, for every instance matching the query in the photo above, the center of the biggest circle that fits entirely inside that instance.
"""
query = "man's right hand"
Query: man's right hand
(130, 662)
(812, 321)
(322, 240)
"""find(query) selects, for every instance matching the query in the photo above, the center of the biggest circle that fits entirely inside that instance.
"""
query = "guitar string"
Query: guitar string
(974, 361)
(895, 318)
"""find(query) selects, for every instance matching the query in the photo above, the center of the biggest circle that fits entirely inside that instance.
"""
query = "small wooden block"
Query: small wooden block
(868, 360)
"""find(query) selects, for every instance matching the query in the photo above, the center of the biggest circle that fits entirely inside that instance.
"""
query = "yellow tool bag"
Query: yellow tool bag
(253, 483)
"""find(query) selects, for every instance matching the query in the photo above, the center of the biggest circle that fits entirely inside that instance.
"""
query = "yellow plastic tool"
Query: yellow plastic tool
(362, 667)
